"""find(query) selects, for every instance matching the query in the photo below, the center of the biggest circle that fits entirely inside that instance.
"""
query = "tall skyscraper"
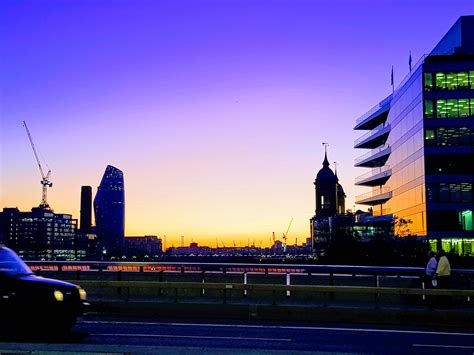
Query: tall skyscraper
(86, 208)
(420, 143)
(109, 208)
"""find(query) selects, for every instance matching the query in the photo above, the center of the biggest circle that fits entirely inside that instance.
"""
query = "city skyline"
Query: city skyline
(214, 112)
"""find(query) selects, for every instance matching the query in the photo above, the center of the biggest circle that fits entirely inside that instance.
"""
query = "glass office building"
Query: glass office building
(109, 208)
(420, 145)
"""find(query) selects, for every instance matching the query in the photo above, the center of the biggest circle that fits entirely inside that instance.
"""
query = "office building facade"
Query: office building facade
(421, 145)
(40, 234)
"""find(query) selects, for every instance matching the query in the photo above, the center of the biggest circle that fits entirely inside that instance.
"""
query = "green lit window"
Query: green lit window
(463, 105)
(466, 223)
(428, 81)
(430, 138)
(471, 107)
(441, 109)
(451, 81)
(429, 111)
(471, 79)
(453, 110)
(463, 80)
(441, 81)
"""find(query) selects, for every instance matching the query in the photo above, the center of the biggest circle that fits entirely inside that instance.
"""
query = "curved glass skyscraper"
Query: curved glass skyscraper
(109, 208)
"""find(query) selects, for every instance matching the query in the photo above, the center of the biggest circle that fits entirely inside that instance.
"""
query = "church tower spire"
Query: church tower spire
(325, 161)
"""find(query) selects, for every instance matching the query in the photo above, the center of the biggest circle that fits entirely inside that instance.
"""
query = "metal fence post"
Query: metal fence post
(376, 285)
(203, 291)
(331, 283)
(245, 283)
(288, 282)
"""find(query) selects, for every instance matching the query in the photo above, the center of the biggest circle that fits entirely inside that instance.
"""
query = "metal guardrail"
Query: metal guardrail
(372, 153)
(374, 193)
(385, 170)
(245, 288)
(183, 267)
(374, 109)
(379, 130)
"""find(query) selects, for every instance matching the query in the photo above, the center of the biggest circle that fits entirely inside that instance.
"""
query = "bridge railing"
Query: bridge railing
(220, 267)
(245, 289)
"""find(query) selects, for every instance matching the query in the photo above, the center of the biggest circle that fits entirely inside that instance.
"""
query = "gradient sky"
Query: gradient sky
(214, 109)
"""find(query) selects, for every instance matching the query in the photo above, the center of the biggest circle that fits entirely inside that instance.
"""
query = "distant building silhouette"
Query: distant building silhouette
(330, 202)
(86, 209)
(140, 246)
(330, 197)
(40, 234)
(109, 208)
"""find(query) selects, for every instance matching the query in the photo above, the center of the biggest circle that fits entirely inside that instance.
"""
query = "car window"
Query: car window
(11, 264)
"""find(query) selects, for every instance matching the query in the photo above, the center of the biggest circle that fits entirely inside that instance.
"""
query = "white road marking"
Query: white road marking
(185, 336)
(444, 346)
(368, 330)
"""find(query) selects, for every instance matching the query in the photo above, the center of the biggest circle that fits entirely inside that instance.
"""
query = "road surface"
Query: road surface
(152, 335)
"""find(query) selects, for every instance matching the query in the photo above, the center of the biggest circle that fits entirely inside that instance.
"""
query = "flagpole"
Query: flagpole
(409, 61)
(391, 80)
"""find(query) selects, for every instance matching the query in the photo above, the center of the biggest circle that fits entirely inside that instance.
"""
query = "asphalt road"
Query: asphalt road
(151, 335)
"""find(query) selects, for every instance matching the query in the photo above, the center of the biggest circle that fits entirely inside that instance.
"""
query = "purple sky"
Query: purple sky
(215, 110)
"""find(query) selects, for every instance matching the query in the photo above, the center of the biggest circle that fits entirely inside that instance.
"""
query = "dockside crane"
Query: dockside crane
(45, 179)
(285, 235)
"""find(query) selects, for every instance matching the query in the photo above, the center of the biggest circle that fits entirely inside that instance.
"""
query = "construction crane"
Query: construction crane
(285, 235)
(45, 179)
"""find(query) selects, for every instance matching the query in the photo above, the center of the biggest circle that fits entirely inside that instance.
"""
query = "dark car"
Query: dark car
(29, 301)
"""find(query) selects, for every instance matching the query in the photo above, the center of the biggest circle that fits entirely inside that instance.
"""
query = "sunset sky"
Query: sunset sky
(215, 110)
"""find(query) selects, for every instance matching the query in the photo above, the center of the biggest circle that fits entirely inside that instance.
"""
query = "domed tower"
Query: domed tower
(326, 191)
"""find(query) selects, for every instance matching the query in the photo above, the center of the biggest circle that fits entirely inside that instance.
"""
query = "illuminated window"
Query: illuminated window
(463, 105)
(471, 79)
(453, 110)
(428, 81)
(429, 111)
(440, 81)
(451, 81)
(430, 137)
(463, 80)
(441, 109)
(471, 107)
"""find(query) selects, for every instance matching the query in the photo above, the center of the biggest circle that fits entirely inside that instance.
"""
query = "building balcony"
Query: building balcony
(376, 157)
(375, 177)
(374, 197)
(374, 138)
(375, 116)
